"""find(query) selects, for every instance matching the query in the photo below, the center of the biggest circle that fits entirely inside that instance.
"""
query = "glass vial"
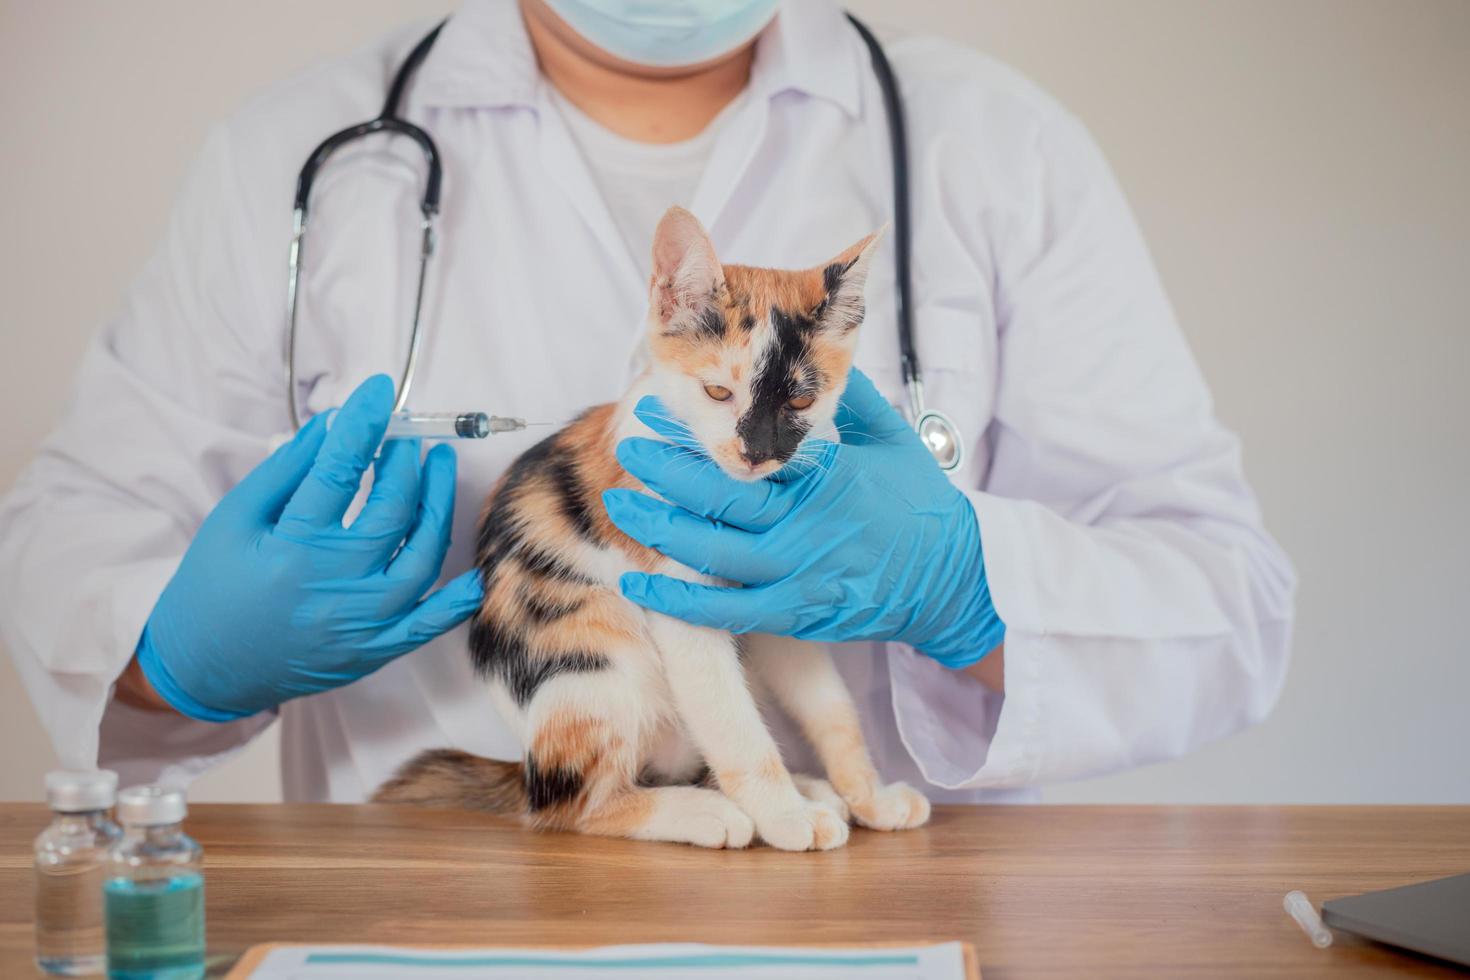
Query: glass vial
(154, 892)
(71, 855)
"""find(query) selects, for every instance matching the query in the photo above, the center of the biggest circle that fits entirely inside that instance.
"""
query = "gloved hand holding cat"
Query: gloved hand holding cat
(863, 539)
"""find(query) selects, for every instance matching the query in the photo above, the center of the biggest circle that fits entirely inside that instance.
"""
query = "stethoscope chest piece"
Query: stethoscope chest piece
(937, 431)
(942, 438)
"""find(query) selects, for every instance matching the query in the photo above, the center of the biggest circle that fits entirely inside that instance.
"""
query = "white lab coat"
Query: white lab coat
(1147, 610)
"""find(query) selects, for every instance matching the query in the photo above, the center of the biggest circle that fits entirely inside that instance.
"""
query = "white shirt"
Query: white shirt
(640, 181)
(1147, 610)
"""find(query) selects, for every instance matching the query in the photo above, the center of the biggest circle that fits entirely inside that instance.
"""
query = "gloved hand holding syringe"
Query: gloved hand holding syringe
(277, 598)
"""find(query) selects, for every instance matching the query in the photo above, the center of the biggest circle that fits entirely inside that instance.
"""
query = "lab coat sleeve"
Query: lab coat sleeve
(1147, 610)
(168, 411)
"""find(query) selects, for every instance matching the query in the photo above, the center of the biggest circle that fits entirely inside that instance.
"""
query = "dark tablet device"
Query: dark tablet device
(1432, 917)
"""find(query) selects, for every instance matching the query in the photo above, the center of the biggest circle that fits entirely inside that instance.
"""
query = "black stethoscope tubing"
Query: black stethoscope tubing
(898, 146)
(936, 429)
(388, 121)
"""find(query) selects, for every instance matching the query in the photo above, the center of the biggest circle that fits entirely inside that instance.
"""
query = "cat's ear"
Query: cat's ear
(686, 273)
(843, 281)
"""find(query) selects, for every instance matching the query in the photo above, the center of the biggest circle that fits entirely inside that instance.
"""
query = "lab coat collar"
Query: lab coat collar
(483, 58)
(810, 48)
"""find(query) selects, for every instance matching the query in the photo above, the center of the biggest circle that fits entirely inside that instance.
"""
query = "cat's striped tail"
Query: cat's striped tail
(451, 778)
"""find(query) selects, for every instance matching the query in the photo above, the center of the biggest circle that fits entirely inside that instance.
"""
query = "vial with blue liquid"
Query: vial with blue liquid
(154, 891)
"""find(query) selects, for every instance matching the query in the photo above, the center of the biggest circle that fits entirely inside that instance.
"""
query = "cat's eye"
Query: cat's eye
(718, 392)
(801, 402)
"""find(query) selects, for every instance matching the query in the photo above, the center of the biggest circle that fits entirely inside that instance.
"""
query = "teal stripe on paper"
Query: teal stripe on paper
(714, 961)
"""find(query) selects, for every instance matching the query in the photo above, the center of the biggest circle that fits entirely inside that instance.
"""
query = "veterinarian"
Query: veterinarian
(171, 589)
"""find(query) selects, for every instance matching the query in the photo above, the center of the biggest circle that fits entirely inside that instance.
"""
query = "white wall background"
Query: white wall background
(1301, 168)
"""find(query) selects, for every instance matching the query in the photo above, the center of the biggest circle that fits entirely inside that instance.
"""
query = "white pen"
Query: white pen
(1300, 908)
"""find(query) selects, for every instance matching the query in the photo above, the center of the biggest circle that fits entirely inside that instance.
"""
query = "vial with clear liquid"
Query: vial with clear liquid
(71, 855)
(154, 890)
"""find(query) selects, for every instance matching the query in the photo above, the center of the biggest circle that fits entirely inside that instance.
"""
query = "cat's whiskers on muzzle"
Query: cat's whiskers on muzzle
(735, 465)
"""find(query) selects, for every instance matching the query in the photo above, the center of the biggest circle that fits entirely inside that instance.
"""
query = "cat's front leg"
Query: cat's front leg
(709, 688)
(804, 679)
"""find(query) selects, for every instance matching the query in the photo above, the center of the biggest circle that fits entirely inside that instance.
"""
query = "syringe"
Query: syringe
(450, 425)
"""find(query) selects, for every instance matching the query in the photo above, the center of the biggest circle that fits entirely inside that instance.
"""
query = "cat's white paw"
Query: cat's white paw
(811, 826)
(820, 791)
(716, 822)
(897, 806)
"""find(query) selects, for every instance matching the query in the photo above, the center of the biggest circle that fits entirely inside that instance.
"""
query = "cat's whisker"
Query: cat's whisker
(821, 461)
(687, 466)
(849, 434)
(676, 422)
(814, 466)
(679, 424)
(805, 463)
(684, 439)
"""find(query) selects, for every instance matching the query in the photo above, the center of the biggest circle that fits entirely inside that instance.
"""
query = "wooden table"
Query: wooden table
(1040, 891)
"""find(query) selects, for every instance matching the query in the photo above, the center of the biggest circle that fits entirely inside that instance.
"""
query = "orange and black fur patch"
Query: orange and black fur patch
(543, 614)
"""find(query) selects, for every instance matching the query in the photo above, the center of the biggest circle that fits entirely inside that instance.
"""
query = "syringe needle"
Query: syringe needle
(454, 425)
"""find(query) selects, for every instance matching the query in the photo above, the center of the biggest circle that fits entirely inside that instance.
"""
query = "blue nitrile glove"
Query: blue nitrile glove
(275, 599)
(865, 540)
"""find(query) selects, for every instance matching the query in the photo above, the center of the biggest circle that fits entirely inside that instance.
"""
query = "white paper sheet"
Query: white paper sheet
(682, 961)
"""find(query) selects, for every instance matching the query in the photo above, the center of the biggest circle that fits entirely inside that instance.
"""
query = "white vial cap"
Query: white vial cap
(150, 806)
(69, 791)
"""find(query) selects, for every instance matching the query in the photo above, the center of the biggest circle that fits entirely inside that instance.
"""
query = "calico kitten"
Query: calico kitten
(635, 724)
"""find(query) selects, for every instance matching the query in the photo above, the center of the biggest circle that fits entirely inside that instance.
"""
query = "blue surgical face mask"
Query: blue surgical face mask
(666, 33)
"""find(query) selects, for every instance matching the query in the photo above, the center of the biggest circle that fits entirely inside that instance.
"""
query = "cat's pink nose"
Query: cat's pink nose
(756, 457)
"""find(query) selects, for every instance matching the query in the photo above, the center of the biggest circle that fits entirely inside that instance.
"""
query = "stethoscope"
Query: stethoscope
(938, 432)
